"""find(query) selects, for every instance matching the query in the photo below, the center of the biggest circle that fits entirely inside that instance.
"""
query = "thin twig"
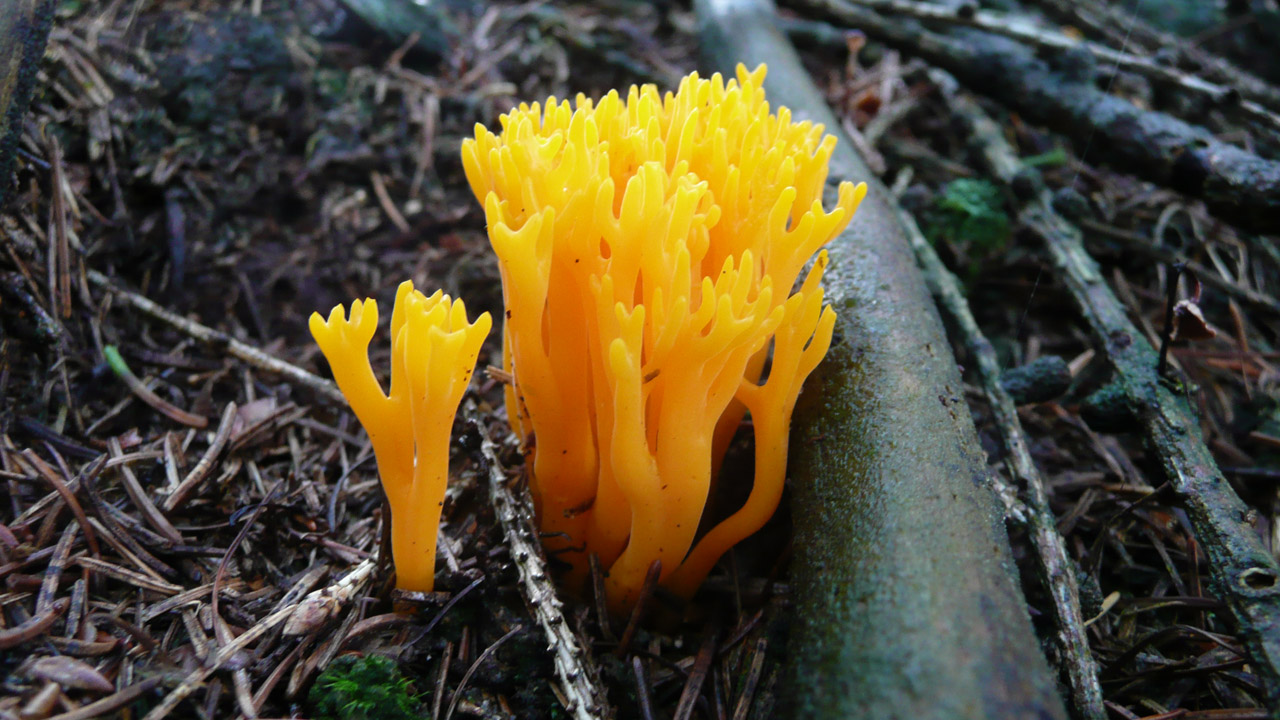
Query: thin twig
(462, 684)
(440, 680)
(577, 675)
(457, 597)
(388, 205)
(235, 348)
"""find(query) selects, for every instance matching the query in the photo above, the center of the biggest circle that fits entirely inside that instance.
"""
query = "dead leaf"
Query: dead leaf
(252, 413)
(70, 673)
(1189, 322)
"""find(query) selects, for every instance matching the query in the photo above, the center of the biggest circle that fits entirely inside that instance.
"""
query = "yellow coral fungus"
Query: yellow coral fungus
(433, 354)
(648, 248)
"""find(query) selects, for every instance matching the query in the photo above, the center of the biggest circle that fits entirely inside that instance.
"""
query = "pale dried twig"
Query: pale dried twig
(235, 348)
(578, 679)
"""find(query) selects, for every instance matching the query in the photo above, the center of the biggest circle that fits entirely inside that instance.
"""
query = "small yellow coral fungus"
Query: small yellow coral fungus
(648, 248)
(433, 354)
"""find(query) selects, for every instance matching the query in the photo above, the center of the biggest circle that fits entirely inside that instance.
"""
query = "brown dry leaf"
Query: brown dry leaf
(1189, 322)
(70, 673)
(252, 413)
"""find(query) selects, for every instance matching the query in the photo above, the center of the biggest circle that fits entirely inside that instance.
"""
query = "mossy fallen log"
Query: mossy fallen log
(907, 604)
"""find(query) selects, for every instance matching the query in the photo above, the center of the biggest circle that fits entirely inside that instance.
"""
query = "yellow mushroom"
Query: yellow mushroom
(648, 248)
(433, 355)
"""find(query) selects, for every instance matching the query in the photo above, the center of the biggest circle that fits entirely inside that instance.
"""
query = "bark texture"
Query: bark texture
(1061, 93)
(24, 30)
(907, 602)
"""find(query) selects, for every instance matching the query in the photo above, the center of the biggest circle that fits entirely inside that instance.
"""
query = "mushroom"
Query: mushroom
(433, 355)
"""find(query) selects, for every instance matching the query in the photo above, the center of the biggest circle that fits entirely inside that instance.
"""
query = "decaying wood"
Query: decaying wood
(1021, 28)
(1123, 27)
(1055, 569)
(1246, 576)
(900, 546)
(1235, 184)
(425, 25)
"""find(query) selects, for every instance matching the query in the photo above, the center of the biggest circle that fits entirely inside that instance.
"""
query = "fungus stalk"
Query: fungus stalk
(433, 354)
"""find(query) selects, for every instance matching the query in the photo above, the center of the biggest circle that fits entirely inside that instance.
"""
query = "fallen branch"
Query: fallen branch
(1246, 576)
(1126, 27)
(203, 333)
(1237, 185)
(24, 31)
(1024, 30)
(1052, 564)
(900, 546)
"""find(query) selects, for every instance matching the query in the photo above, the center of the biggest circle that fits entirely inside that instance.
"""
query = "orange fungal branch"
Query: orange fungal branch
(433, 355)
(649, 247)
